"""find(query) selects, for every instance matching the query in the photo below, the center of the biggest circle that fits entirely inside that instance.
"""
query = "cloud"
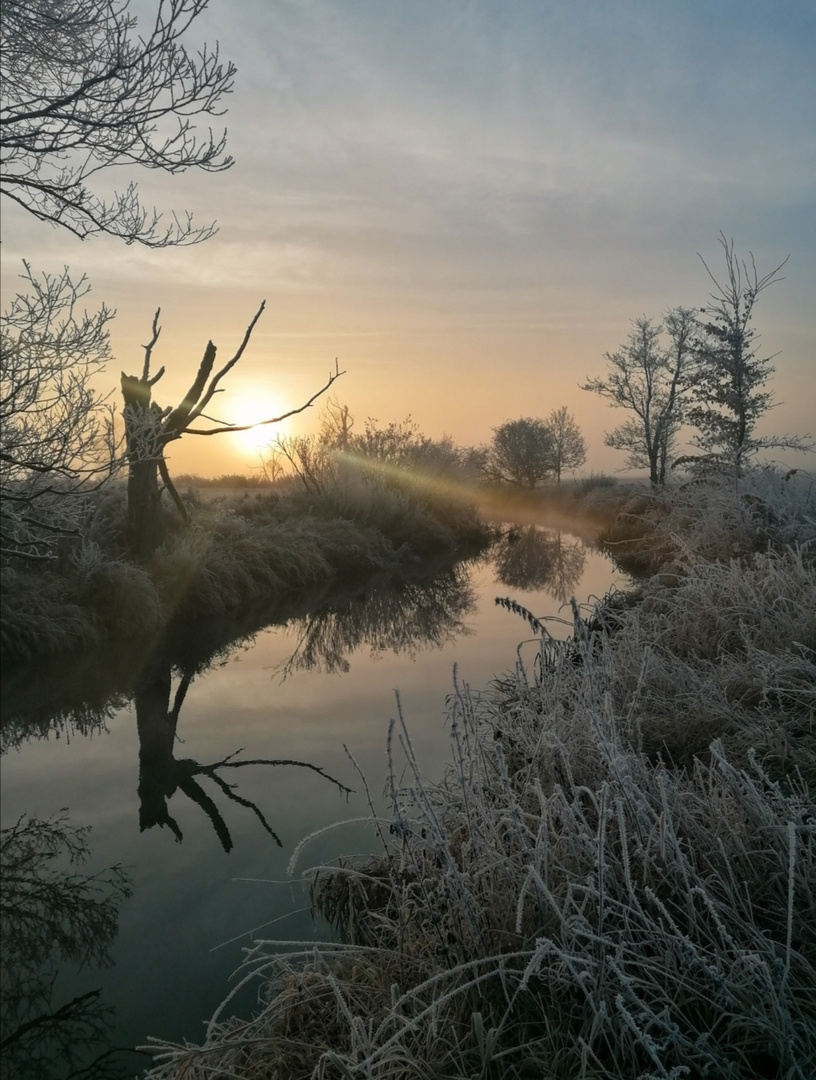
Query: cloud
(461, 174)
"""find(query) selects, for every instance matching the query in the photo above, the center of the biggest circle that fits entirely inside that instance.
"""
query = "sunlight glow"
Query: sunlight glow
(248, 409)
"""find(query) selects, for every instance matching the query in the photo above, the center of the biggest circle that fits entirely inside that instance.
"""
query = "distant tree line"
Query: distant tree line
(395, 453)
(224, 480)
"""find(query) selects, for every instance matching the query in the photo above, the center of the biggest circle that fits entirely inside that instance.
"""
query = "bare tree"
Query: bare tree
(56, 436)
(650, 380)
(273, 463)
(149, 429)
(311, 460)
(521, 453)
(728, 391)
(336, 423)
(568, 446)
(82, 93)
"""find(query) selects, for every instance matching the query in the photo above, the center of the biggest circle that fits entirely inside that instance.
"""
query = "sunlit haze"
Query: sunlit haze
(466, 203)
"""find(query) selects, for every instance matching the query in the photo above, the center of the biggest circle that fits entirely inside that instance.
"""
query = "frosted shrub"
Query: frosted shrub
(87, 558)
(715, 520)
(729, 651)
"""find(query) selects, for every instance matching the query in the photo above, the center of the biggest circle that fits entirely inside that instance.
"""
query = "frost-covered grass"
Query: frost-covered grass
(715, 520)
(615, 879)
(236, 552)
(75, 607)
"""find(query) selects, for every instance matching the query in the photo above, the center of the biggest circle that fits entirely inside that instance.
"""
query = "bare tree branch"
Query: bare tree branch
(57, 440)
(275, 419)
(83, 93)
(149, 349)
(227, 763)
(182, 412)
(211, 389)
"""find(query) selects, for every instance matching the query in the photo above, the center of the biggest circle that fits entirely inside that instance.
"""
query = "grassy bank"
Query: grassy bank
(253, 546)
(617, 876)
(653, 531)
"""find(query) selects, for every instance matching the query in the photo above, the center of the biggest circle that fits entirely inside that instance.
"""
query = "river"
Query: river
(149, 768)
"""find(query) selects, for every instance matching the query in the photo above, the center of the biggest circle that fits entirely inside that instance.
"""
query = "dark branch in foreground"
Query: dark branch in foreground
(228, 763)
(275, 419)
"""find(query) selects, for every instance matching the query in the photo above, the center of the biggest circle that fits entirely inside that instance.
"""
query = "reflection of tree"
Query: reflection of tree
(531, 557)
(568, 562)
(161, 774)
(78, 694)
(401, 617)
(50, 916)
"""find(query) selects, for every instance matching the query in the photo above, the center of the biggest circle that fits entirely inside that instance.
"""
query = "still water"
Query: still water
(153, 761)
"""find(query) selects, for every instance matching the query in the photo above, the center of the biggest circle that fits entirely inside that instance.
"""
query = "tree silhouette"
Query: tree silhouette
(149, 429)
(728, 388)
(568, 446)
(161, 774)
(520, 453)
(649, 379)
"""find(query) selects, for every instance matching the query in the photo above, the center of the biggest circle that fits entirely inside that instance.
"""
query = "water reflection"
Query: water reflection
(400, 617)
(213, 684)
(161, 774)
(37, 703)
(533, 557)
(49, 917)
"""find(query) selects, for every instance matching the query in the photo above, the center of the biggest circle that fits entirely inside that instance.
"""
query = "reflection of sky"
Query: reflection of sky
(431, 191)
(186, 897)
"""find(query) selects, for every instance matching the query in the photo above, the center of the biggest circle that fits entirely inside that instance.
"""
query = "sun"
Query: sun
(249, 409)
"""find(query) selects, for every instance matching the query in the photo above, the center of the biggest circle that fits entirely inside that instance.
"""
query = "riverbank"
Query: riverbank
(616, 876)
(235, 553)
(260, 544)
(68, 694)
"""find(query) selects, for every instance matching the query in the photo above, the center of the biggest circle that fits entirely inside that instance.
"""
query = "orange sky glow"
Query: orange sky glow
(466, 205)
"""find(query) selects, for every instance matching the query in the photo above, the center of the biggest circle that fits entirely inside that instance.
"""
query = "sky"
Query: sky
(467, 202)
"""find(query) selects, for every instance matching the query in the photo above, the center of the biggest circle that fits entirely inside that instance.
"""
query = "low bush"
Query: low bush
(71, 608)
(41, 614)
